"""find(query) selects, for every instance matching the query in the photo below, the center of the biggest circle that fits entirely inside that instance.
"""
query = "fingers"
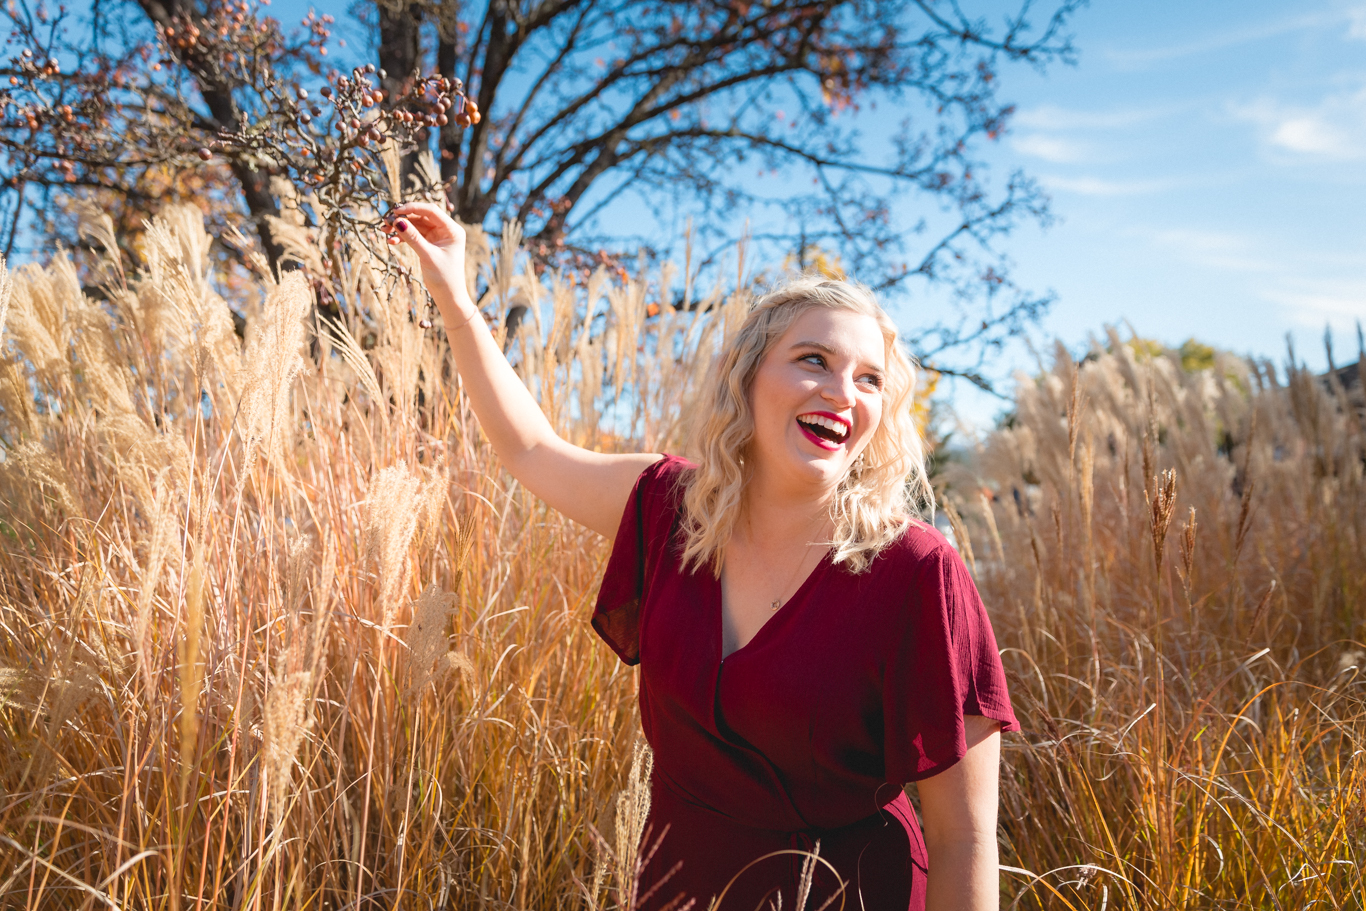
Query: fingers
(428, 218)
(406, 231)
(418, 221)
(422, 212)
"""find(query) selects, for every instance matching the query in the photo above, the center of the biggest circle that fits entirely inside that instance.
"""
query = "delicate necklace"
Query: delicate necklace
(778, 602)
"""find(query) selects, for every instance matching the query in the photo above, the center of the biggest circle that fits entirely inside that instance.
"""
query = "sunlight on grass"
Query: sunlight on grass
(279, 632)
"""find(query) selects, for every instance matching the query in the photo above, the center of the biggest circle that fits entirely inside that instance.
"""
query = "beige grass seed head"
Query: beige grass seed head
(427, 636)
(392, 512)
(288, 718)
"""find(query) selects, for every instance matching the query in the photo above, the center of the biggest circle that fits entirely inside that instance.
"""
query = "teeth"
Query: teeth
(821, 421)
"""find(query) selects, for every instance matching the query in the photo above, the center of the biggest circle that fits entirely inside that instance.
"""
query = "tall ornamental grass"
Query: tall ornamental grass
(1174, 562)
(279, 632)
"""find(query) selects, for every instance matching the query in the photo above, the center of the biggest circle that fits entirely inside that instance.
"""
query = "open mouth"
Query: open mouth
(826, 430)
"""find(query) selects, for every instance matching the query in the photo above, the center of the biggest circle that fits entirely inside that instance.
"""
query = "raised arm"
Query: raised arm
(589, 487)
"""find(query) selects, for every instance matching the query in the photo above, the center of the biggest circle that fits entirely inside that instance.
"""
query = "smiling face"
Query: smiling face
(817, 399)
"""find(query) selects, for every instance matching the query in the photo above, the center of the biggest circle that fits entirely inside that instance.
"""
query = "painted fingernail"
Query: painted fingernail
(403, 226)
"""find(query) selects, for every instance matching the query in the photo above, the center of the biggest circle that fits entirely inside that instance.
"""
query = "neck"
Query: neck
(779, 516)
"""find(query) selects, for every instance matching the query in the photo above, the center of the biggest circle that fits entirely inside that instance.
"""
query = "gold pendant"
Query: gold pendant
(777, 603)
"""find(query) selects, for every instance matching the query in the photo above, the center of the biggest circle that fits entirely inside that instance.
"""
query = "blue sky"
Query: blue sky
(1205, 162)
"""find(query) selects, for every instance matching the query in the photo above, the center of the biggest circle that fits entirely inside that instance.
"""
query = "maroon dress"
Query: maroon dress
(857, 685)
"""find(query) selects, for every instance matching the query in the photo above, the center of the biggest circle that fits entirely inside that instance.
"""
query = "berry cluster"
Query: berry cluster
(330, 141)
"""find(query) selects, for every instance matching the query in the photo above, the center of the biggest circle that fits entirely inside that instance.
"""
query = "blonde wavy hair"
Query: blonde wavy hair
(886, 487)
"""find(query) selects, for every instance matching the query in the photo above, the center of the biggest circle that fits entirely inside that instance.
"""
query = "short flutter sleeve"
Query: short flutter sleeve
(943, 665)
(644, 532)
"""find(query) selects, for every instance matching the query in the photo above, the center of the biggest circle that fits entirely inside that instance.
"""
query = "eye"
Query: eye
(872, 379)
(816, 359)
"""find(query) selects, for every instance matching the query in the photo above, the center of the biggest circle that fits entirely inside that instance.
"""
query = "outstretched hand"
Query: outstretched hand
(440, 246)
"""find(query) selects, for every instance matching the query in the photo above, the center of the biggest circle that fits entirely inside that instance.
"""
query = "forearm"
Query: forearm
(964, 876)
(589, 487)
(509, 415)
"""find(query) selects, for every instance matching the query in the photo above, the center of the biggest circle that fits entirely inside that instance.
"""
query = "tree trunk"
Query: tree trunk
(448, 140)
(255, 182)
(400, 56)
(260, 203)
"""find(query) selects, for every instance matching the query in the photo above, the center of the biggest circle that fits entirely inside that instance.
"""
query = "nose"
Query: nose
(839, 390)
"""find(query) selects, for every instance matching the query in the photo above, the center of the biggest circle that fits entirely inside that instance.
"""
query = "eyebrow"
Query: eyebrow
(826, 349)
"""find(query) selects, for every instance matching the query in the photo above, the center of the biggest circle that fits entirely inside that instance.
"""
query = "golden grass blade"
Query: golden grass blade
(354, 357)
(633, 811)
(161, 536)
(6, 292)
(191, 666)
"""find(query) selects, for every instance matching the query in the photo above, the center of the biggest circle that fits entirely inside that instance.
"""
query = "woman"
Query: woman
(806, 647)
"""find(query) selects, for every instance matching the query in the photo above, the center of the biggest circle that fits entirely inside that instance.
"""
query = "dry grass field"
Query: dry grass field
(277, 632)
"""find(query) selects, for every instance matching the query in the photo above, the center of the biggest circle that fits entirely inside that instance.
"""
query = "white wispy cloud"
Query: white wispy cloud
(1055, 149)
(1138, 58)
(1313, 303)
(1100, 186)
(1060, 135)
(1356, 23)
(1334, 128)
(1215, 249)
(1310, 289)
(1052, 117)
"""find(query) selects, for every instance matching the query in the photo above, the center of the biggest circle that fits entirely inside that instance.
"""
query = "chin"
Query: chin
(830, 468)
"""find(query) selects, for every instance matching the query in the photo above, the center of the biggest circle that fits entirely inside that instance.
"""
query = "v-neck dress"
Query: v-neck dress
(855, 686)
